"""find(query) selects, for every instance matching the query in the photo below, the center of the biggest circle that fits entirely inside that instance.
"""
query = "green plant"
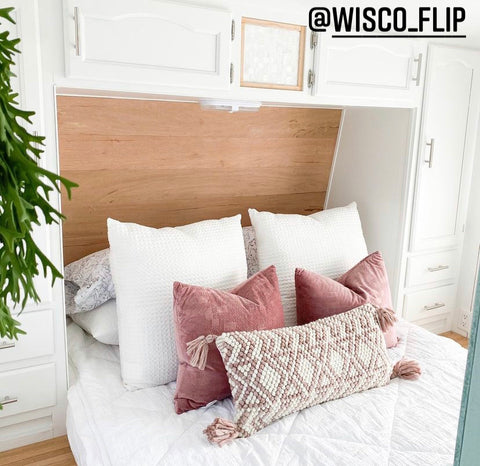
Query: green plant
(25, 188)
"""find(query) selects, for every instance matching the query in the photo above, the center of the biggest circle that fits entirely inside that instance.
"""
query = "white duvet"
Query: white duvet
(404, 423)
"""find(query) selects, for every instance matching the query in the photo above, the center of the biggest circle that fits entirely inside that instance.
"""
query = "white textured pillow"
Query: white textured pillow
(145, 262)
(101, 323)
(328, 242)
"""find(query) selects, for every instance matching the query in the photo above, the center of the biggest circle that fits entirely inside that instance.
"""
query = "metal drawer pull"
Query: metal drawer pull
(77, 31)
(419, 69)
(433, 306)
(430, 155)
(7, 344)
(7, 400)
(438, 268)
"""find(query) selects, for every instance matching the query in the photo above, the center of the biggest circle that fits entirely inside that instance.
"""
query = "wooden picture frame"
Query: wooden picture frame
(256, 70)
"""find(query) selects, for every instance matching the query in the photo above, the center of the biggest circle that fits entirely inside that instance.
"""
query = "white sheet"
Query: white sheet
(404, 423)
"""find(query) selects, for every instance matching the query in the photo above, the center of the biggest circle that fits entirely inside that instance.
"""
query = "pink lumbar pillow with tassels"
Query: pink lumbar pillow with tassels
(367, 282)
(274, 373)
(200, 314)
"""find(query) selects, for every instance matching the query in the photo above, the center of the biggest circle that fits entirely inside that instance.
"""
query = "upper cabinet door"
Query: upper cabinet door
(446, 147)
(147, 42)
(370, 68)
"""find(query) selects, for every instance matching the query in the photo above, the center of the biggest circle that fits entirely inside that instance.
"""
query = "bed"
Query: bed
(401, 424)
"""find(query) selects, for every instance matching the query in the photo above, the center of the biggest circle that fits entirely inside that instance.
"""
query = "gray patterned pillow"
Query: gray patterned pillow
(88, 281)
(273, 373)
(92, 276)
(250, 250)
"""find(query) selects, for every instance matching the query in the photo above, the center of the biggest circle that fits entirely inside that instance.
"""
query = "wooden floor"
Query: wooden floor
(456, 337)
(53, 452)
(57, 451)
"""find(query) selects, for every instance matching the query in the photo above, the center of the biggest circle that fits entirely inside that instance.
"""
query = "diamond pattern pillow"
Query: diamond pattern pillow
(274, 373)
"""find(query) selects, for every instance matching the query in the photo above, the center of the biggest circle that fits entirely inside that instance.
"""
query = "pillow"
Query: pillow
(145, 262)
(91, 279)
(200, 315)
(101, 323)
(328, 242)
(91, 274)
(367, 282)
(274, 373)
(250, 250)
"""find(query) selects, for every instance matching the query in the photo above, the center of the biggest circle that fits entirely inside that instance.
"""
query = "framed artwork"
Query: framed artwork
(272, 54)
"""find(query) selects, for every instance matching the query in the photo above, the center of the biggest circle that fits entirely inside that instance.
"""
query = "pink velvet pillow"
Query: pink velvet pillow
(200, 315)
(367, 282)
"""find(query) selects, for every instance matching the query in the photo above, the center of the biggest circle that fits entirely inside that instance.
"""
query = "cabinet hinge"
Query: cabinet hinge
(310, 78)
(233, 30)
(313, 40)
(231, 73)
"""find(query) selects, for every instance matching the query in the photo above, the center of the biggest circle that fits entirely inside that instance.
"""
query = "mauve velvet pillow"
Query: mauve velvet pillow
(367, 282)
(200, 312)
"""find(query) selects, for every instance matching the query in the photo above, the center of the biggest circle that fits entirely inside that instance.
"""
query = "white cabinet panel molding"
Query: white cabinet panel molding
(450, 113)
(148, 41)
(378, 68)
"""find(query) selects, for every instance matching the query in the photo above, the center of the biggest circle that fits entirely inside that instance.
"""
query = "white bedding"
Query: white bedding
(404, 423)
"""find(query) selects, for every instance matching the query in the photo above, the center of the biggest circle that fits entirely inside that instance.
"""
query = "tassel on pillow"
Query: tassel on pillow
(386, 318)
(198, 350)
(407, 369)
(221, 431)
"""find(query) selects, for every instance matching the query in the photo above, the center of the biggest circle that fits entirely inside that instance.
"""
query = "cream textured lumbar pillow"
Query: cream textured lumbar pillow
(273, 373)
(145, 262)
(328, 242)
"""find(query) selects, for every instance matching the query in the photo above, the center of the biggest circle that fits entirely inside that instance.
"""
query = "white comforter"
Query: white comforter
(404, 423)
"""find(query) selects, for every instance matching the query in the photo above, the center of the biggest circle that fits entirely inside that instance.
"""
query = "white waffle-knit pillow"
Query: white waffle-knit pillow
(145, 262)
(328, 242)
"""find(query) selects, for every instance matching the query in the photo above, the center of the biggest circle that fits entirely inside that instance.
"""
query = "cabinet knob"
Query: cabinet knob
(418, 60)
(8, 400)
(430, 155)
(7, 344)
(433, 306)
(76, 15)
(438, 268)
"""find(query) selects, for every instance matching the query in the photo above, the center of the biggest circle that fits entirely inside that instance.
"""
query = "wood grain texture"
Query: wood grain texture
(48, 453)
(169, 163)
(460, 339)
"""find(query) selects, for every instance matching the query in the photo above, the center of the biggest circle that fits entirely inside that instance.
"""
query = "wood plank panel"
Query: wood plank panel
(166, 164)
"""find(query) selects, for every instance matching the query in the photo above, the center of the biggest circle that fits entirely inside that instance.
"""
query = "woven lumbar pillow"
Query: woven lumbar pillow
(273, 373)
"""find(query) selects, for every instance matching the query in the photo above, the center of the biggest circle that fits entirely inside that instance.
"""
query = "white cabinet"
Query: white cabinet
(32, 368)
(147, 42)
(27, 389)
(414, 212)
(444, 161)
(369, 68)
(444, 169)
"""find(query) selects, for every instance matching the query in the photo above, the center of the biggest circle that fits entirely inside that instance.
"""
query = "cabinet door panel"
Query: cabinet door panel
(27, 82)
(438, 221)
(370, 68)
(148, 42)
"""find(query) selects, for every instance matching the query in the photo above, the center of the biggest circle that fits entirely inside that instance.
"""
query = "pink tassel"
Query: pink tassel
(406, 369)
(221, 431)
(386, 318)
(198, 350)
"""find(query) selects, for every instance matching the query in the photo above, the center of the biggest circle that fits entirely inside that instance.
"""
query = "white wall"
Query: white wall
(471, 249)
(370, 168)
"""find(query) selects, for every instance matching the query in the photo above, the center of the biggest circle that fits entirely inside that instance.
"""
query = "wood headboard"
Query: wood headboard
(168, 163)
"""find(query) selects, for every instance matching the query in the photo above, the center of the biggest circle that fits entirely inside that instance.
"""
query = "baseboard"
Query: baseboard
(25, 433)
